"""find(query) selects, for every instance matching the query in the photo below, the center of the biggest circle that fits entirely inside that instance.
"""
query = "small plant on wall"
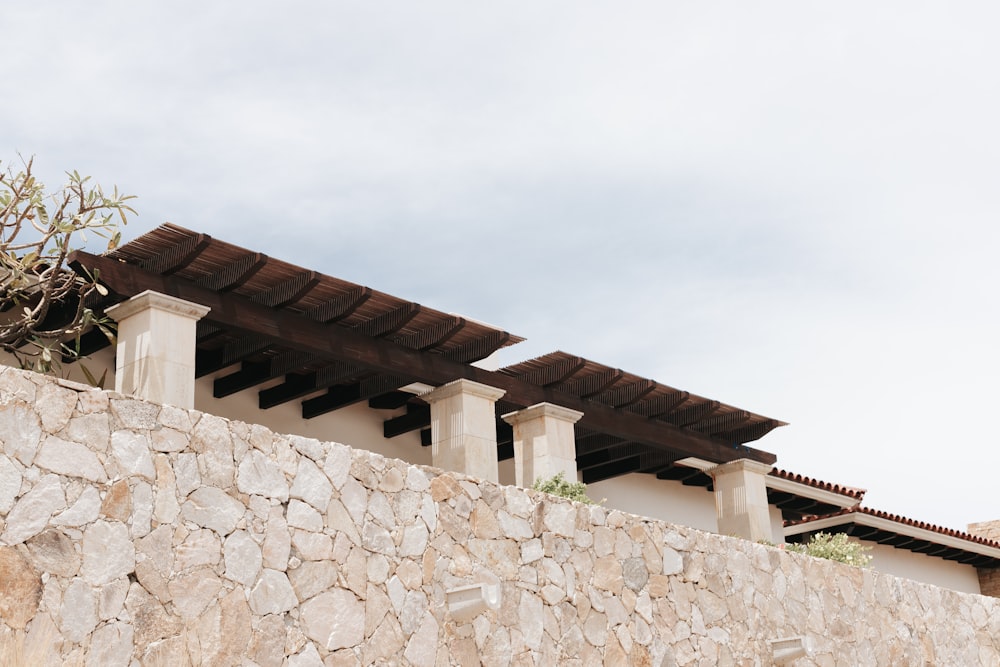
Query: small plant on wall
(838, 547)
(558, 485)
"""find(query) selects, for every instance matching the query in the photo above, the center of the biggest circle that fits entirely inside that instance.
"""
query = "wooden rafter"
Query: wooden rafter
(235, 273)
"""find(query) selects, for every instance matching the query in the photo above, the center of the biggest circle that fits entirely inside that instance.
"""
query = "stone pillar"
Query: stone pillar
(155, 354)
(544, 443)
(464, 428)
(989, 577)
(741, 499)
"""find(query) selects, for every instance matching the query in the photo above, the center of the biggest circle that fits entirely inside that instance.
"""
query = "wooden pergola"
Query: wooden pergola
(294, 334)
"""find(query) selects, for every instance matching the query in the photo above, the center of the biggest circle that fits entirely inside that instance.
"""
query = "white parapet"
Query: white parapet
(741, 499)
(155, 354)
(544, 442)
(464, 428)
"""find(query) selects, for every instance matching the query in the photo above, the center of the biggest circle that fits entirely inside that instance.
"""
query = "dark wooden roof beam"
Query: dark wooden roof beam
(235, 274)
(628, 394)
(210, 361)
(594, 384)
(722, 423)
(557, 373)
(416, 417)
(433, 336)
(340, 307)
(609, 455)
(615, 469)
(659, 405)
(389, 322)
(392, 400)
(299, 385)
(288, 292)
(477, 349)
(691, 415)
(178, 257)
(254, 373)
(748, 433)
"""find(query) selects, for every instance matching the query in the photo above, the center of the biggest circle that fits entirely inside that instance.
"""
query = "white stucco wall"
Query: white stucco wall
(667, 500)
(921, 567)
(355, 424)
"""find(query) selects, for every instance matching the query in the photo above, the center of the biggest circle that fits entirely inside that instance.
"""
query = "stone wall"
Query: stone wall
(135, 532)
(989, 577)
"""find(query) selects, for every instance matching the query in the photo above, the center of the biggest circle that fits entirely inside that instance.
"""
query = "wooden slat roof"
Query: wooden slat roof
(154, 251)
(331, 343)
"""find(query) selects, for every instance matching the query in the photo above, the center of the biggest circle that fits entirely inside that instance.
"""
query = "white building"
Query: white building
(232, 332)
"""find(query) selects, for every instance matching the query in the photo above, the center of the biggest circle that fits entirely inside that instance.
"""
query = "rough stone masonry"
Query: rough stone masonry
(133, 533)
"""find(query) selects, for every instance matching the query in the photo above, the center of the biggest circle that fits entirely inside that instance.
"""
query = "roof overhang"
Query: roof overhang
(277, 321)
(901, 534)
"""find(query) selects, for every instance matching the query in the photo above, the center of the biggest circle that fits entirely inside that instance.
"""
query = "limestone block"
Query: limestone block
(186, 474)
(421, 649)
(111, 645)
(52, 551)
(335, 619)
(312, 546)
(258, 474)
(277, 542)
(243, 558)
(69, 458)
(108, 552)
(310, 447)
(307, 657)
(20, 431)
(312, 578)
(34, 509)
(301, 515)
(10, 483)
(111, 598)
(94, 430)
(85, 508)
(135, 414)
(131, 451)
(192, 591)
(78, 615)
(210, 507)
(200, 547)
(169, 440)
(21, 590)
(117, 503)
(54, 404)
(211, 439)
(165, 505)
(311, 485)
(272, 594)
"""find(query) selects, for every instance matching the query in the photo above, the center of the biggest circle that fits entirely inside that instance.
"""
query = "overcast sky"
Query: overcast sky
(786, 206)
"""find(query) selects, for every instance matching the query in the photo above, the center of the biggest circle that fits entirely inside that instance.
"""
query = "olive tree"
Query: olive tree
(43, 303)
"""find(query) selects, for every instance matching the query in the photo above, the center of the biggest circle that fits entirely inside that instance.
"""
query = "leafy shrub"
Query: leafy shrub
(557, 485)
(838, 547)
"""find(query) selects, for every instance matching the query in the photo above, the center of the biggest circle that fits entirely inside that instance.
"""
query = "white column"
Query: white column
(464, 428)
(544, 442)
(741, 499)
(155, 354)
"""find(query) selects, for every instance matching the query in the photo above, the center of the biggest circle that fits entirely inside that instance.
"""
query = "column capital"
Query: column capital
(740, 465)
(542, 410)
(463, 386)
(150, 299)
